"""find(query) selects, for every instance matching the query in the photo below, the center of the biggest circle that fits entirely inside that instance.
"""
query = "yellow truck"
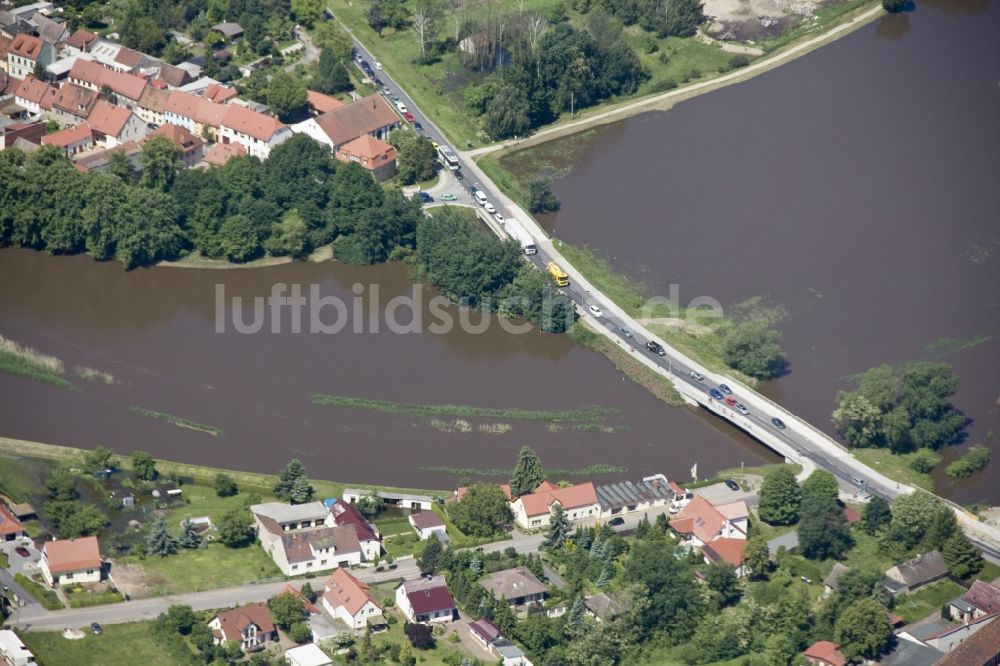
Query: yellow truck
(562, 280)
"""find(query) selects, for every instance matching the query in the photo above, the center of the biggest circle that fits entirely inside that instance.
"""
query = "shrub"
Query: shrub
(974, 460)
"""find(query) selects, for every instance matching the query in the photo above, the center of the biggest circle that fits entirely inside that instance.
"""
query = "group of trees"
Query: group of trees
(416, 157)
(160, 542)
(479, 270)
(292, 485)
(904, 409)
(822, 525)
(677, 18)
(754, 348)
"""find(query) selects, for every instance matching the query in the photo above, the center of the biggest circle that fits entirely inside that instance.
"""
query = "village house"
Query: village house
(79, 42)
(534, 510)
(299, 539)
(373, 154)
(219, 93)
(221, 153)
(942, 635)
(99, 160)
(397, 500)
(370, 115)
(249, 625)
(604, 607)
(824, 653)
(35, 96)
(173, 77)
(25, 52)
(622, 498)
(426, 600)
(229, 30)
(190, 146)
(23, 132)
(70, 561)
(125, 88)
(307, 655)
(981, 649)
(73, 104)
(114, 125)
(699, 522)
(258, 133)
(728, 552)
(492, 639)
(980, 600)
(10, 527)
(72, 140)
(427, 524)
(347, 599)
(152, 106)
(319, 103)
(194, 113)
(13, 650)
(343, 514)
(831, 581)
(916, 573)
(517, 586)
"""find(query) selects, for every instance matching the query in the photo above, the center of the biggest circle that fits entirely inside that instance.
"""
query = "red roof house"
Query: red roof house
(824, 653)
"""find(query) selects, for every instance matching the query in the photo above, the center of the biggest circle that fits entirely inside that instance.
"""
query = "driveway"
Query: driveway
(719, 493)
(26, 566)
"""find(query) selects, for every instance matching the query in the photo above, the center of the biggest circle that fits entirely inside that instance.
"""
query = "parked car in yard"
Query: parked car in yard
(96, 628)
(22, 551)
(424, 197)
(732, 485)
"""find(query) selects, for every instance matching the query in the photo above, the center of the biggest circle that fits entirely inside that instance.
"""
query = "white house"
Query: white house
(249, 625)
(399, 500)
(258, 133)
(428, 523)
(370, 115)
(299, 540)
(24, 52)
(492, 639)
(13, 651)
(534, 510)
(307, 655)
(69, 561)
(426, 600)
(700, 522)
(347, 599)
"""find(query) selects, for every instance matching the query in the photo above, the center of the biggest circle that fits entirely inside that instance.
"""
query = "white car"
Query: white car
(596, 311)
(401, 107)
(741, 408)
(489, 207)
(378, 65)
(499, 217)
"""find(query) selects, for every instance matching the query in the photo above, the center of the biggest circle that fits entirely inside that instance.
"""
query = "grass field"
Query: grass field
(206, 568)
(45, 596)
(918, 605)
(121, 645)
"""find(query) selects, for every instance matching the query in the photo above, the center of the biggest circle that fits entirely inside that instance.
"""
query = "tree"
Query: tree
(576, 618)
(721, 579)
(975, 459)
(943, 524)
(426, 22)
(286, 94)
(642, 529)
(758, 557)
(225, 485)
(302, 491)
(754, 349)
(911, 516)
(300, 632)
(923, 461)
(876, 515)
(483, 511)
(239, 239)
(159, 542)
(178, 619)
(308, 592)
(308, 12)
(430, 558)
(286, 609)
(507, 114)
(780, 497)
(540, 196)
(331, 74)
(290, 237)
(293, 470)
(675, 602)
(143, 466)
(72, 519)
(863, 630)
(963, 559)
(189, 537)
(236, 528)
(528, 473)
(61, 484)
(161, 161)
(416, 158)
(371, 505)
(558, 529)
(896, 6)
(421, 635)
(822, 526)
(100, 459)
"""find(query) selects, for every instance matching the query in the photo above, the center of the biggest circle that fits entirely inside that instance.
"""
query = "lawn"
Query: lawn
(207, 568)
(121, 645)
(913, 607)
(434, 657)
(894, 466)
(45, 596)
(394, 525)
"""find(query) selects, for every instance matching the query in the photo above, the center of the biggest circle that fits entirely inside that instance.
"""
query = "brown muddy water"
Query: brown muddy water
(155, 331)
(858, 187)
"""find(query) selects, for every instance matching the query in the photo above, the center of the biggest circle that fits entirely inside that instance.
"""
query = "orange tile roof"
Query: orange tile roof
(127, 85)
(249, 122)
(81, 39)
(179, 136)
(729, 551)
(826, 652)
(699, 518)
(221, 153)
(68, 136)
(308, 605)
(219, 93)
(343, 589)
(108, 119)
(538, 503)
(76, 100)
(322, 103)
(368, 149)
(9, 524)
(26, 46)
(36, 91)
(362, 116)
(199, 109)
(234, 621)
(67, 555)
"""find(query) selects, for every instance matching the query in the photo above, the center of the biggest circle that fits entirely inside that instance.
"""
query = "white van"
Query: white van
(480, 197)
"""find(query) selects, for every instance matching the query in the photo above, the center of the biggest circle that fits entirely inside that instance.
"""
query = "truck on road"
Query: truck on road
(517, 232)
(558, 274)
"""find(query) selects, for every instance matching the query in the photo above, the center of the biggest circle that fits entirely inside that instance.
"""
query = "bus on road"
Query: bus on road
(448, 158)
(558, 274)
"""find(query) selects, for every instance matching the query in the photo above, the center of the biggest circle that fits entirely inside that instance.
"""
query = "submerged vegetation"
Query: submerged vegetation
(585, 414)
(589, 470)
(178, 421)
(16, 359)
(975, 459)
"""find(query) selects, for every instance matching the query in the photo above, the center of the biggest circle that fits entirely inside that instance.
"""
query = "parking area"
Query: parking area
(720, 493)
(19, 564)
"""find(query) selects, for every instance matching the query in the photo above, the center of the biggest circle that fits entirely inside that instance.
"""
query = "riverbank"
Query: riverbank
(196, 260)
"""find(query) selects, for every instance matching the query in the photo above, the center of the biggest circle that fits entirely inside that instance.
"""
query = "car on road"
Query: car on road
(715, 393)
(778, 423)
(386, 91)
(417, 126)
(448, 196)
(458, 175)
(401, 107)
(357, 56)
(615, 522)
(489, 207)
(742, 409)
(656, 348)
(725, 389)
(498, 217)
(96, 628)
(394, 98)
(697, 376)
(435, 144)
(731, 401)
(625, 332)
(732, 485)
(378, 65)
(857, 481)
(424, 197)
(409, 117)
(596, 311)
(22, 551)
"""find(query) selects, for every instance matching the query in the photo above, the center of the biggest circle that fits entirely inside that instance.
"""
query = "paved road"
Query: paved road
(797, 440)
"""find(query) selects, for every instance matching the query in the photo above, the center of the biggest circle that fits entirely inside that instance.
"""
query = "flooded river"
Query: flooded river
(858, 187)
(154, 330)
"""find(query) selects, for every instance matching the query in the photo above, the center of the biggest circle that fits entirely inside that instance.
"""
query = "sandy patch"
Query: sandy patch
(73, 634)
(680, 324)
(747, 19)
(136, 582)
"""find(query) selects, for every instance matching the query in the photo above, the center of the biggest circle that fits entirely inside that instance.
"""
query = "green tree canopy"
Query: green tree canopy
(528, 472)
(225, 485)
(293, 470)
(143, 465)
(863, 630)
(876, 515)
(754, 349)
(483, 511)
(822, 526)
(286, 609)
(161, 160)
(235, 528)
(540, 196)
(430, 558)
(286, 94)
(964, 560)
(331, 74)
(675, 604)
(780, 497)
(159, 541)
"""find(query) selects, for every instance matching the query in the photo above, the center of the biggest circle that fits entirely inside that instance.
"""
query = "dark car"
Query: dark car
(96, 628)
(778, 423)
(615, 522)
(715, 393)
(458, 174)
(22, 551)
(424, 197)
(417, 126)
(732, 485)
(656, 348)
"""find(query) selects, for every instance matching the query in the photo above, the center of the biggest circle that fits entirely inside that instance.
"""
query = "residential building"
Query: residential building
(726, 551)
(152, 106)
(699, 522)
(126, 88)
(173, 77)
(625, 497)
(58, 71)
(229, 30)
(370, 115)
(221, 153)
(129, 61)
(944, 636)
(13, 651)
(319, 103)
(114, 125)
(517, 586)
(831, 581)
(49, 30)
(426, 600)
(299, 539)
(249, 625)
(35, 96)
(824, 653)
(30, 132)
(915, 573)
(25, 52)
(398, 500)
(307, 655)
(343, 514)
(73, 104)
(198, 115)
(255, 131)
(373, 154)
(534, 510)
(981, 649)
(10, 527)
(191, 147)
(492, 639)
(72, 140)
(79, 42)
(349, 600)
(427, 524)
(982, 599)
(219, 93)
(101, 160)
(71, 561)
(604, 607)
(908, 653)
